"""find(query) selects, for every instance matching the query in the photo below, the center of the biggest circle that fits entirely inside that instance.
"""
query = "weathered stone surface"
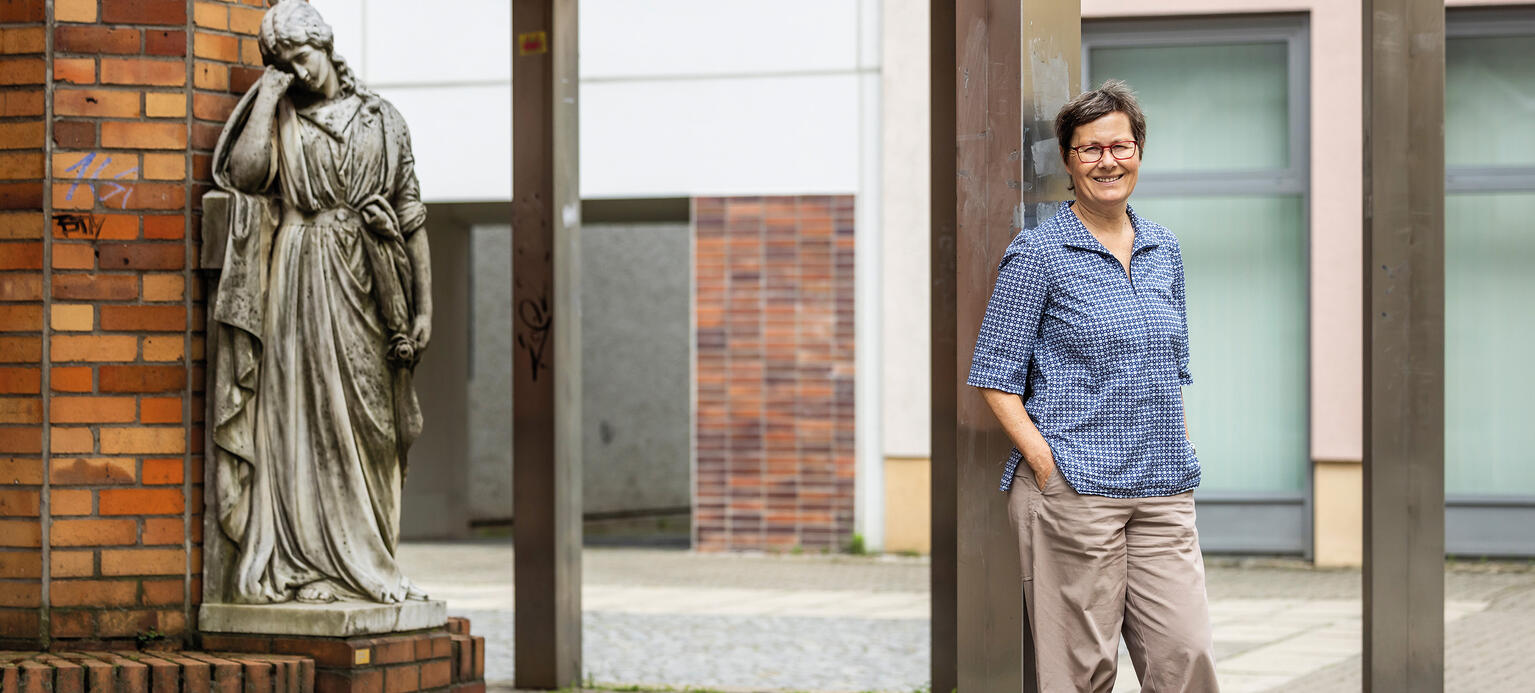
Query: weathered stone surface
(339, 619)
(321, 309)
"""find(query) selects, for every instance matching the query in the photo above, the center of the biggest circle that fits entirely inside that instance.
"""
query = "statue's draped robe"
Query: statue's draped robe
(311, 417)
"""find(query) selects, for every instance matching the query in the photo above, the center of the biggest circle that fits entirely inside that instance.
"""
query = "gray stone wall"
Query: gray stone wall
(436, 485)
(635, 325)
(636, 385)
(490, 373)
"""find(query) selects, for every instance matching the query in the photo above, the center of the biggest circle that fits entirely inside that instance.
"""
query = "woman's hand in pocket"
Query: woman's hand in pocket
(1042, 462)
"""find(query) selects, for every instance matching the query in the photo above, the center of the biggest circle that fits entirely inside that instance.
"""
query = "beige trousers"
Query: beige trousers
(1096, 567)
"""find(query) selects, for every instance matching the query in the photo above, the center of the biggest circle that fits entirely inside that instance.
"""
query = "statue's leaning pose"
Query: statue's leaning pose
(323, 307)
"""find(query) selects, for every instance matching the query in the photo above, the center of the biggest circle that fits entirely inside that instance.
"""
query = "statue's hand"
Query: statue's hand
(421, 331)
(274, 82)
(379, 219)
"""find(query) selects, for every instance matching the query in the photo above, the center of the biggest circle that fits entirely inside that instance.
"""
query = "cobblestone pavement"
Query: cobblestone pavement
(752, 622)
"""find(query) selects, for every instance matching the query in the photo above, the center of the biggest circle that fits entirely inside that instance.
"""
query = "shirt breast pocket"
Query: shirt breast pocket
(1071, 317)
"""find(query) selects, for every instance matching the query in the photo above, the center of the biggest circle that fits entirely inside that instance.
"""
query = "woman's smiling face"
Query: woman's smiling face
(1107, 182)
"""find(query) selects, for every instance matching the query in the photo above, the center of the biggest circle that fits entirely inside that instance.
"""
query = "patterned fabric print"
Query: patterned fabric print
(1099, 359)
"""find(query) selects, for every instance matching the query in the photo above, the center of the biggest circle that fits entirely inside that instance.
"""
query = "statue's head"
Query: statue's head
(295, 38)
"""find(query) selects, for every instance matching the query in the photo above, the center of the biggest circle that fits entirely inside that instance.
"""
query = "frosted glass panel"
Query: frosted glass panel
(1244, 265)
(1489, 101)
(1209, 107)
(1489, 330)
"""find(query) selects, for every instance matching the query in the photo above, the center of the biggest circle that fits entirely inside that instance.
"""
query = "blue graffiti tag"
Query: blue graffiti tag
(82, 170)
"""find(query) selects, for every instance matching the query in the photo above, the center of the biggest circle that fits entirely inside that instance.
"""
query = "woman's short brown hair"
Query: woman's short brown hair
(1113, 97)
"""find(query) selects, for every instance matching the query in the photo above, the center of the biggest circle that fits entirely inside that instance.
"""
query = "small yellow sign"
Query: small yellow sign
(362, 656)
(532, 43)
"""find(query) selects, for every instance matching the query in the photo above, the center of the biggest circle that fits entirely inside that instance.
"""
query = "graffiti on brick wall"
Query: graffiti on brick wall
(78, 225)
(88, 173)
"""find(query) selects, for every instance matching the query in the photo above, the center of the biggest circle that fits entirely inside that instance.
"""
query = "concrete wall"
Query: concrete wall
(636, 300)
(490, 374)
(905, 324)
(635, 322)
(437, 483)
(906, 393)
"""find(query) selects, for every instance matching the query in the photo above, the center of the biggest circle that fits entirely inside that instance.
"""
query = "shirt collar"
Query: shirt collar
(1077, 235)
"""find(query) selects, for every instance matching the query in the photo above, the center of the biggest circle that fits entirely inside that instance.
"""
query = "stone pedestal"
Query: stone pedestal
(339, 619)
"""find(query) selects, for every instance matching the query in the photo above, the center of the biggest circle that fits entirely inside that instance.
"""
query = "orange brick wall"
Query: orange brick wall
(23, 73)
(102, 312)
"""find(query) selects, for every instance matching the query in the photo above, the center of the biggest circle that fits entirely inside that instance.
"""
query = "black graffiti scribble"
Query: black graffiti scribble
(536, 318)
(78, 226)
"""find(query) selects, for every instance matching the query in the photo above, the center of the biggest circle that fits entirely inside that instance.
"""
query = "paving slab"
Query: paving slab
(763, 622)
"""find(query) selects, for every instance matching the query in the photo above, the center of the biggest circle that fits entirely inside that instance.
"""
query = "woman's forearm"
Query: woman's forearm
(1009, 410)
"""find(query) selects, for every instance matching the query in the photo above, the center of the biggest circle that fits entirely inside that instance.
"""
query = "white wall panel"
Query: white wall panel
(765, 128)
(623, 38)
(760, 136)
(462, 137)
(464, 41)
(907, 429)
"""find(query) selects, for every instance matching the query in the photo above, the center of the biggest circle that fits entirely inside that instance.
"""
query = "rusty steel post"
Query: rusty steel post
(546, 356)
(1403, 345)
(1000, 71)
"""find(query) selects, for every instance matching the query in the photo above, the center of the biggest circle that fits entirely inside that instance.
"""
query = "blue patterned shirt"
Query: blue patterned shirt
(1098, 358)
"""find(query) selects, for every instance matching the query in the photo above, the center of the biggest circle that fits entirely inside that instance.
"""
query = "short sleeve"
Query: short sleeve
(1183, 318)
(1010, 328)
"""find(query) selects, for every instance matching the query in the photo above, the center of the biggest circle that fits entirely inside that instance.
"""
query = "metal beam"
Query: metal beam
(546, 391)
(942, 69)
(1404, 345)
(1000, 71)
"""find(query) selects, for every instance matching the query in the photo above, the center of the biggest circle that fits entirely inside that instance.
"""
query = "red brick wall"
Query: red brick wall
(774, 431)
(225, 62)
(104, 325)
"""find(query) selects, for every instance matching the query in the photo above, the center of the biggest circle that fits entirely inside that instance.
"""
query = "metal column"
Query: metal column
(1404, 345)
(546, 391)
(944, 580)
(1000, 71)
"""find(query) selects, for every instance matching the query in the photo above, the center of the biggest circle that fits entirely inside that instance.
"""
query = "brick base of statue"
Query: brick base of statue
(132, 671)
(438, 660)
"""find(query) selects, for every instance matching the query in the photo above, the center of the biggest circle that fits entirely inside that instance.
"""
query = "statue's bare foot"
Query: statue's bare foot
(316, 593)
(414, 592)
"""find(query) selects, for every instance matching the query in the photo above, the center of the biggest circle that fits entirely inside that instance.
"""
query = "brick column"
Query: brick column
(109, 111)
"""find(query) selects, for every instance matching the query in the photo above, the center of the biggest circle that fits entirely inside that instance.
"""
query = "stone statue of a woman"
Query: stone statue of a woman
(322, 309)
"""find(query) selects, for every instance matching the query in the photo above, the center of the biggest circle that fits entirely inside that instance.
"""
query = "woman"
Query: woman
(322, 320)
(1081, 356)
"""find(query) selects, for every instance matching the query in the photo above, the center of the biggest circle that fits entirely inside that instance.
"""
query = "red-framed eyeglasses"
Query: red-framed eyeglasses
(1093, 153)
